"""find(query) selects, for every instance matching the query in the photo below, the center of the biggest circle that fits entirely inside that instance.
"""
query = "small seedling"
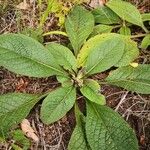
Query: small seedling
(100, 127)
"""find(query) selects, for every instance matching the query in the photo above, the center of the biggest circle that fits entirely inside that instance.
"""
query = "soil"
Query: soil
(134, 108)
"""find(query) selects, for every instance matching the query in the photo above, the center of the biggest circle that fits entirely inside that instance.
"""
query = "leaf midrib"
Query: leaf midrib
(36, 61)
(126, 80)
(30, 101)
(103, 123)
(63, 99)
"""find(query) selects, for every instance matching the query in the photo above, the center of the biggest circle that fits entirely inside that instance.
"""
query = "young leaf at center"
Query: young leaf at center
(91, 90)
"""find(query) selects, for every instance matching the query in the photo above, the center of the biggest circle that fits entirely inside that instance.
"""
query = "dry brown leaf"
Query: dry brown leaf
(96, 3)
(23, 5)
(28, 130)
(32, 1)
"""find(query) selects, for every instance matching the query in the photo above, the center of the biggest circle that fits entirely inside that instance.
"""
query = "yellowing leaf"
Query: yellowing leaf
(89, 45)
(134, 65)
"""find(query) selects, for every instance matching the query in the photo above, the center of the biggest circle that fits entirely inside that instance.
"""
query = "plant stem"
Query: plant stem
(55, 32)
(145, 29)
(138, 35)
(102, 82)
(117, 26)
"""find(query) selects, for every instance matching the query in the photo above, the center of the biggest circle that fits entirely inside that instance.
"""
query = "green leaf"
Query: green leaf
(145, 42)
(16, 147)
(126, 11)
(91, 44)
(146, 17)
(57, 104)
(102, 52)
(132, 78)
(106, 129)
(91, 90)
(34, 33)
(65, 81)
(20, 138)
(13, 109)
(26, 56)
(63, 56)
(79, 25)
(78, 137)
(125, 30)
(99, 29)
(131, 52)
(105, 15)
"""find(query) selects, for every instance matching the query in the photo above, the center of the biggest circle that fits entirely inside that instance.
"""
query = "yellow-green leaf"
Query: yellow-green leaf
(146, 17)
(145, 42)
(101, 53)
(131, 52)
(90, 45)
(125, 30)
(126, 11)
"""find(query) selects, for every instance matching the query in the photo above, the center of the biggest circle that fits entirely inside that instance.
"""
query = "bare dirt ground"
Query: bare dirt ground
(135, 108)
